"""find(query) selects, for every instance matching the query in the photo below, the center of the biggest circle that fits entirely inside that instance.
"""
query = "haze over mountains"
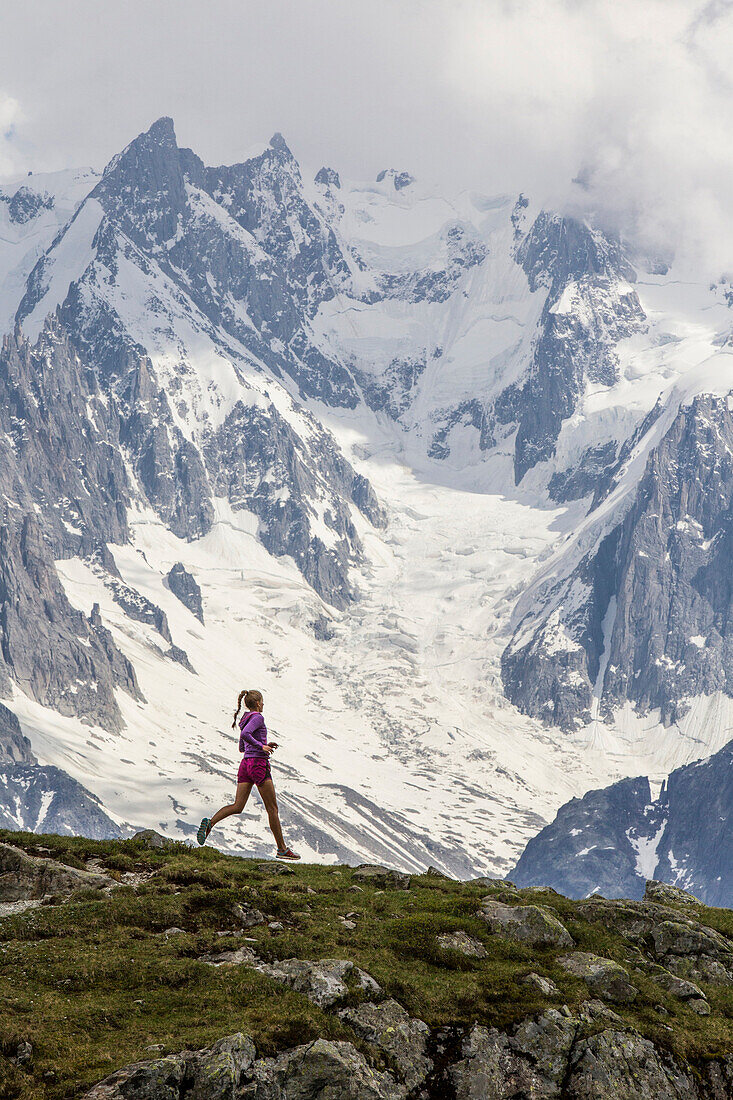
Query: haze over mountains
(449, 478)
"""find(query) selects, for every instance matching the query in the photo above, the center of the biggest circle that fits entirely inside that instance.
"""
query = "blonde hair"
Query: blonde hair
(252, 700)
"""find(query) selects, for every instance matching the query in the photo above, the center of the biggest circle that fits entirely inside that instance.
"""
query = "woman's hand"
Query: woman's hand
(268, 748)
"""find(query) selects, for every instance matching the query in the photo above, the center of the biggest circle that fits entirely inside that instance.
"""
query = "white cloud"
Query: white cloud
(632, 97)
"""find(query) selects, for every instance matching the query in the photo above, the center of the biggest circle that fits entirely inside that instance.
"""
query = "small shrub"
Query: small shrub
(194, 876)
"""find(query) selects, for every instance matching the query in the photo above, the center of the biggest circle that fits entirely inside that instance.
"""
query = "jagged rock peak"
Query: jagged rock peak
(558, 248)
(158, 137)
(328, 177)
(400, 180)
(280, 146)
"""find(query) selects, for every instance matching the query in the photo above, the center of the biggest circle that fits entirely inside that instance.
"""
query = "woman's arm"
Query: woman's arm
(251, 722)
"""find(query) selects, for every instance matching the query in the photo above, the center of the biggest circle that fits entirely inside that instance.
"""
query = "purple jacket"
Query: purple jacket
(253, 735)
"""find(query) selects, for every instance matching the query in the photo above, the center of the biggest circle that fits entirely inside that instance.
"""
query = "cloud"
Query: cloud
(631, 100)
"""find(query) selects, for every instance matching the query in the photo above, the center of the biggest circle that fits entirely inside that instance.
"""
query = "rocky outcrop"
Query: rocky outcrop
(604, 977)
(528, 924)
(463, 944)
(184, 587)
(611, 841)
(383, 878)
(402, 1039)
(546, 1058)
(664, 894)
(617, 1064)
(26, 878)
(324, 982)
(230, 1068)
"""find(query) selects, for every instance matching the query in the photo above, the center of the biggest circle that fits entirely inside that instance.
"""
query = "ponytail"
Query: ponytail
(239, 703)
(252, 700)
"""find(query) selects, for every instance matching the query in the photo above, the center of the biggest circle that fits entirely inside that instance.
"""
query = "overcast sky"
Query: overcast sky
(632, 97)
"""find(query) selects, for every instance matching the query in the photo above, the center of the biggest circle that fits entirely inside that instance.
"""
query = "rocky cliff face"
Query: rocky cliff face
(43, 799)
(611, 841)
(590, 307)
(645, 616)
(15, 748)
(56, 654)
(47, 800)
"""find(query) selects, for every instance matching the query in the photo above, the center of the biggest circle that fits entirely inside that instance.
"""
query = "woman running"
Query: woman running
(253, 771)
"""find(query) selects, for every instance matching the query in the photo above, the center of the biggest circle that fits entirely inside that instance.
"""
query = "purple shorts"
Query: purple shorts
(254, 769)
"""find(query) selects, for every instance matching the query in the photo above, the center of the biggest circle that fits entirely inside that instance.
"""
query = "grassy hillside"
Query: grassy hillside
(94, 982)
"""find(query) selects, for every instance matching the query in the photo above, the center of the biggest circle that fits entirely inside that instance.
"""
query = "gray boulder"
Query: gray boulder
(321, 1070)
(604, 977)
(26, 878)
(692, 951)
(402, 1038)
(382, 877)
(528, 924)
(665, 894)
(545, 986)
(324, 982)
(214, 1074)
(616, 1065)
(463, 943)
(241, 956)
(248, 917)
(677, 987)
(153, 839)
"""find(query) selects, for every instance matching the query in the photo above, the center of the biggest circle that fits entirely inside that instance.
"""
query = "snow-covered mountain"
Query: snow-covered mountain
(447, 477)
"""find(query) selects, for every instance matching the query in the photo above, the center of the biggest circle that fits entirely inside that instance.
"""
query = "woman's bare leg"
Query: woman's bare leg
(240, 801)
(267, 793)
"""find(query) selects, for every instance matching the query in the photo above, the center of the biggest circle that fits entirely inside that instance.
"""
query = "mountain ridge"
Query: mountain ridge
(382, 429)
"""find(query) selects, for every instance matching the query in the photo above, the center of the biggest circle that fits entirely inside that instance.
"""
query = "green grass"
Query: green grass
(94, 983)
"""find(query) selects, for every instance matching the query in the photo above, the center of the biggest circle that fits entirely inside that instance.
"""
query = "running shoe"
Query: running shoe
(203, 832)
(286, 853)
